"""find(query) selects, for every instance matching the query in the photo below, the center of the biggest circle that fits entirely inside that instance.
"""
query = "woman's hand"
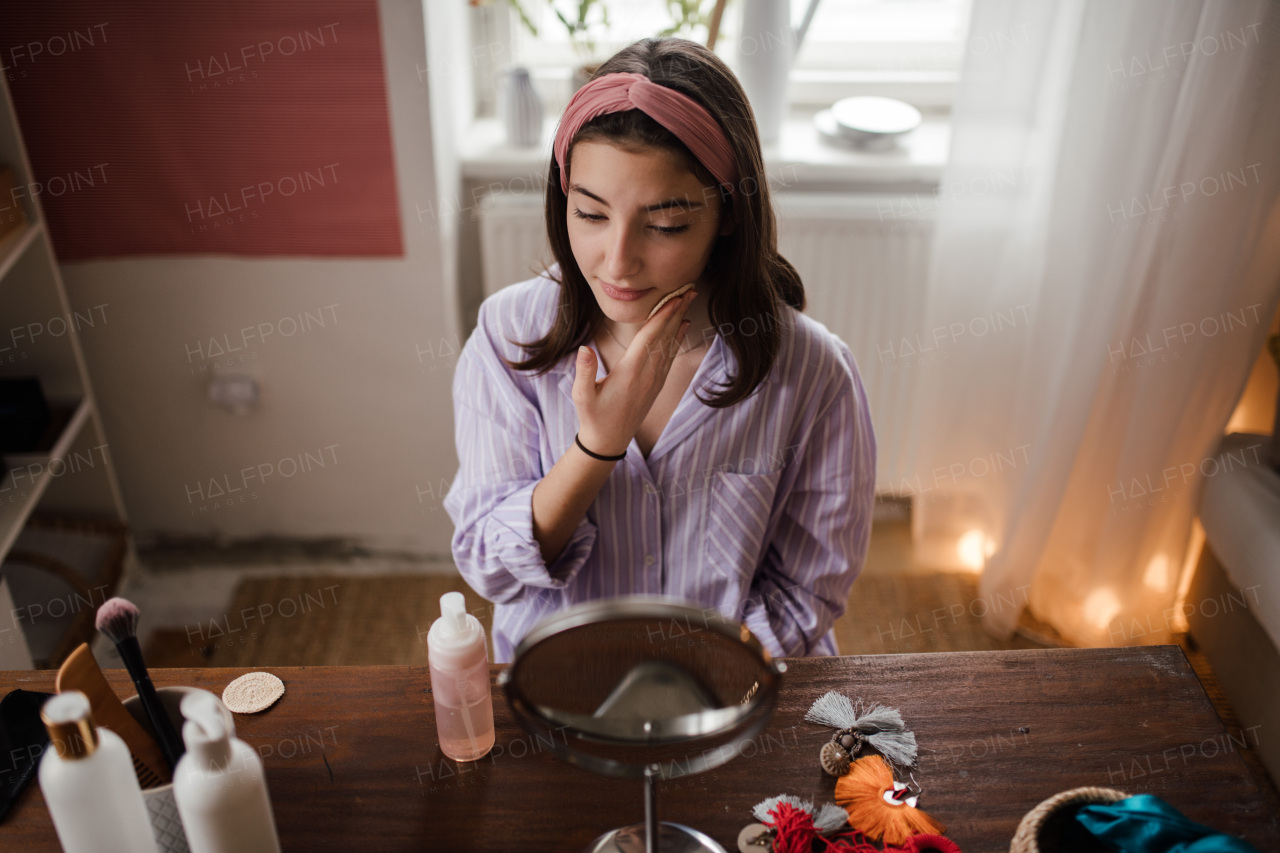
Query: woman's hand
(611, 411)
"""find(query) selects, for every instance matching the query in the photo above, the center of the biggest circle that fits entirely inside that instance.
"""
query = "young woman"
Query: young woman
(718, 451)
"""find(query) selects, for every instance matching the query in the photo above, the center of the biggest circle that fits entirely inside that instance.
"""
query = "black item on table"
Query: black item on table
(23, 740)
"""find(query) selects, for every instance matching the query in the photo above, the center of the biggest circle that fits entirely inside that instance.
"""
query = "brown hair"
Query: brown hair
(747, 281)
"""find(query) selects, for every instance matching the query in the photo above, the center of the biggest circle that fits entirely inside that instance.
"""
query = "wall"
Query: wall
(353, 435)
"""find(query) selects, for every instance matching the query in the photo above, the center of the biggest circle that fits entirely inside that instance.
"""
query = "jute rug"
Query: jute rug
(334, 621)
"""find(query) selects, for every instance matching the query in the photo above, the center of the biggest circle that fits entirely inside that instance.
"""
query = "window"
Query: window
(909, 49)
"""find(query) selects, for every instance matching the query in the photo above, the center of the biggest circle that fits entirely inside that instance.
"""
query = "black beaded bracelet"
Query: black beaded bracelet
(583, 448)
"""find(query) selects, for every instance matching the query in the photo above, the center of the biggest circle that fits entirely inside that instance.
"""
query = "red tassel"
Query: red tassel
(794, 832)
(857, 844)
(793, 829)
(861, 792)
(928, 844)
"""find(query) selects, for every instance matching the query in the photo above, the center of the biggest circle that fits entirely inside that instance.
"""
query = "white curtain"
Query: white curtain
(1107, 262)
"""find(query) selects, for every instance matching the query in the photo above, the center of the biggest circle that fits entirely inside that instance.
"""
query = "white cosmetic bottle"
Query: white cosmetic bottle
(219, 784)
(89, 784)
(460, 681)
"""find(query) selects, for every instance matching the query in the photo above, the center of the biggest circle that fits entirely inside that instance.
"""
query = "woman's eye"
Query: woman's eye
(600, 217)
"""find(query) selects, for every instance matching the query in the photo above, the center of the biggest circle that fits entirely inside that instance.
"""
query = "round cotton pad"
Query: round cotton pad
(675, 294)
(253, 692)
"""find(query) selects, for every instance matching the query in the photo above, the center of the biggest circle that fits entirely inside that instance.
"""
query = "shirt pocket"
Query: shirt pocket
(737, 520)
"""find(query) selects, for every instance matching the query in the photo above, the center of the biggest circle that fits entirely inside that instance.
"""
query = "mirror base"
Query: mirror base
(674, 838)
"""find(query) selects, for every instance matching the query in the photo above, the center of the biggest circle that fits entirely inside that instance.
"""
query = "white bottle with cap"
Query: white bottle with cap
(89, 784)
(219, 784)
(460, 692)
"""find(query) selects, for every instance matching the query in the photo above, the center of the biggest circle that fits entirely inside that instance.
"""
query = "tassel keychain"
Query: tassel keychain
(792, 825)
(881, 807)
(880, 726)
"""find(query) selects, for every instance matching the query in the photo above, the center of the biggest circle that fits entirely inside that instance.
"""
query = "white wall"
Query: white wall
(367, 393)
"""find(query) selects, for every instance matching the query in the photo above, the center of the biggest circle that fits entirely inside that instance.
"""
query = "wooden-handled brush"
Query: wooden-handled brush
(80, 672)
(118, 619)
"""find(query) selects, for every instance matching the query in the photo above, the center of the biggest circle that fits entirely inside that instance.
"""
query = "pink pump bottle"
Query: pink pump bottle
(459, 662)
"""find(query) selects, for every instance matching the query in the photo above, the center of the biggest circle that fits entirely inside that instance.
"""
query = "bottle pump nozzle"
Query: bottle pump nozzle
(453, 607)
(208, 730)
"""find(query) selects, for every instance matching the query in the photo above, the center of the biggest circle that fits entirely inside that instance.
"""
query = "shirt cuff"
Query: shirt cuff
(524, 559)
(778, 642)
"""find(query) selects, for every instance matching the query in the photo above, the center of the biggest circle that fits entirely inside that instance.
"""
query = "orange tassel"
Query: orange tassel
(861, 792)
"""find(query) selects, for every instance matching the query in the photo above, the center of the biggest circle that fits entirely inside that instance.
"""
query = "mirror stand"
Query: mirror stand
(653, 836)
(654, 690)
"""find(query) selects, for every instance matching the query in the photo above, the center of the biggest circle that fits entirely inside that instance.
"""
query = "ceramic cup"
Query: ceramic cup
(166, 825)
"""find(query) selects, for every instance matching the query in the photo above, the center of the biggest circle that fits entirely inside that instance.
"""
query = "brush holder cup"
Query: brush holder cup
(166, 825)
(644, 689)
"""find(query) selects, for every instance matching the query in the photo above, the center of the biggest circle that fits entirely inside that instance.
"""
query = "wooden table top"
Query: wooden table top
(353, 764)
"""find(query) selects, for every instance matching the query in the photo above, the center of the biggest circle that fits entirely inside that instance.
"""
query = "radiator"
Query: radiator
(513, 239)
(864, 260)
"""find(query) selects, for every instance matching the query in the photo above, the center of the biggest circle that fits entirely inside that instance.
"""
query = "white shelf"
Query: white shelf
(31, 287)
(26, 489)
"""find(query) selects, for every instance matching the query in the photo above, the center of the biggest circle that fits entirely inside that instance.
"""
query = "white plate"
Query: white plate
(825, 123)
(878, 116)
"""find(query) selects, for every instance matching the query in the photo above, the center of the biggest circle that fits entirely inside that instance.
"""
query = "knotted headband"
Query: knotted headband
(678, 113)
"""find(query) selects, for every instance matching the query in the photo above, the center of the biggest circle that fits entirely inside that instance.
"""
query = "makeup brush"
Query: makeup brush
(118, 619)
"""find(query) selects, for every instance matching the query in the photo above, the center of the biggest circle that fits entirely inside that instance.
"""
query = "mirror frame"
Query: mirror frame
(744, 721)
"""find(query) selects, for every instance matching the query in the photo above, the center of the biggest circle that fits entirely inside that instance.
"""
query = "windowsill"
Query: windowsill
(801, 160)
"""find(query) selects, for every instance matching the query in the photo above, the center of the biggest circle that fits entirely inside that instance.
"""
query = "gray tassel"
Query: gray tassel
(762, 809)
(833, 709)
(829, 817)
(882, 726)
(898, 747)
(878, 718)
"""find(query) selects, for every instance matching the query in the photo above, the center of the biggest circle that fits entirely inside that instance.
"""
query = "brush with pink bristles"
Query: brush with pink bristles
(118, 619)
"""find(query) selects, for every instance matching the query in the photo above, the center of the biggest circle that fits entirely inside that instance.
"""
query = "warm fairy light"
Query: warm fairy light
(1156, 577)
(973, 548)
(1101, 608)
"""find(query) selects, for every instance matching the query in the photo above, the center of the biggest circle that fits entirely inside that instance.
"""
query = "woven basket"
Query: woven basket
(1051, 827)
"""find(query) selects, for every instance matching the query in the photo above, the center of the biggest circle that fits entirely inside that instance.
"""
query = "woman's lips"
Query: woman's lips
(623, 295)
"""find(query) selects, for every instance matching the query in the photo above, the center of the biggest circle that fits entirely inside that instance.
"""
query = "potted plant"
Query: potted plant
(585, 21)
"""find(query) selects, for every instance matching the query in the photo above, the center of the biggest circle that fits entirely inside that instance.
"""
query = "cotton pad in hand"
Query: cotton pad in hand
(675, 294)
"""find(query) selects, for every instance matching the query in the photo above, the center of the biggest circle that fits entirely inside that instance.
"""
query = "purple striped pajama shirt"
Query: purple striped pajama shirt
(761, 511)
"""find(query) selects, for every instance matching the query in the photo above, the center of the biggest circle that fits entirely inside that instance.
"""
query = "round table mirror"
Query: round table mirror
(648, 689)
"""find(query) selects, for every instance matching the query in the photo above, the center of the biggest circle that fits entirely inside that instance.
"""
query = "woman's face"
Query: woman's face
(641, 225)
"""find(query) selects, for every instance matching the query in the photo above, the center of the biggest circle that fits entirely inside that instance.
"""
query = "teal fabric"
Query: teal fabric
(1147, 824)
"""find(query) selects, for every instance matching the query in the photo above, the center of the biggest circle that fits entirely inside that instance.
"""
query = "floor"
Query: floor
(178, 587)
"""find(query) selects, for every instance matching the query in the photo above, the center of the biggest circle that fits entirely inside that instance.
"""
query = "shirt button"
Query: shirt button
(649, 489)
(648, 559)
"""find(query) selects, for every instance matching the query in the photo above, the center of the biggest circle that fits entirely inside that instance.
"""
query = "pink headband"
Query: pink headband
(678, 113)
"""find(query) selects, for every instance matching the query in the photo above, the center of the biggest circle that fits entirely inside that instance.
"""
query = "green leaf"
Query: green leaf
(524, 17)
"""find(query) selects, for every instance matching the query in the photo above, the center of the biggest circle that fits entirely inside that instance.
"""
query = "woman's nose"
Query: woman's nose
(621, 259)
